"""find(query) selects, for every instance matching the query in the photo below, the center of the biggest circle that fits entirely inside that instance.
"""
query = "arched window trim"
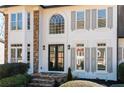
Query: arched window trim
(56, 24)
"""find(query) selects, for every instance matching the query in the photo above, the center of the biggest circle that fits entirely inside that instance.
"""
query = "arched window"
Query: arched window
(57, 24)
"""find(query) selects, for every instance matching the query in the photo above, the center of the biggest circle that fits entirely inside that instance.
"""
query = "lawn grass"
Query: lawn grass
(117, 85)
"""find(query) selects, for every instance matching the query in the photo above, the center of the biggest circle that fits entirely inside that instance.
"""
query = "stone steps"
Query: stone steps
(47, 79)
(40, 85)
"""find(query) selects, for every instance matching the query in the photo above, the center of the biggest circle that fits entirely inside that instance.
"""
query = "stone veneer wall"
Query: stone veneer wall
(36, 42)
(6, 39)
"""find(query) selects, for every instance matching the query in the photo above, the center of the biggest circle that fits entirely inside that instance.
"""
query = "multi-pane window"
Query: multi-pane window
(80, 57)
(16, 53)
(101, 18)
(16, 21)
(28, 53)
(101, 57)
(80, 20)
(56, 24)
(28, 21)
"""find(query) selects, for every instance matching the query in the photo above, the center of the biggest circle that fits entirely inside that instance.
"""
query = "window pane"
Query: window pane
(19, 16)
(19, 21)
(101, 22)
(80, 24)
(19, 25)
(80, 58)
(102, 13)
(13, 55)
(28, 21)
(19, 55)
(13, 21)
(56, 24)
(80, 16)
(13, 25)
(13, 17)
(102, 18)
(101, 59)
(80, 20)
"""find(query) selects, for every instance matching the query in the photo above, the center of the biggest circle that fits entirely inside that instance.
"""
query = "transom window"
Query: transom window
(80, 20)
(101, 18)
(101, 57)
(57, 24)
(16, 21)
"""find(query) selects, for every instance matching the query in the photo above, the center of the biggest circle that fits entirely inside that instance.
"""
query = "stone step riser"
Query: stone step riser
(40, 85)
(46, 79)
(45, 82)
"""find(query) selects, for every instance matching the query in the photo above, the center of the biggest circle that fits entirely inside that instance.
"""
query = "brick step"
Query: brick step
(40, 80)
(40, 85)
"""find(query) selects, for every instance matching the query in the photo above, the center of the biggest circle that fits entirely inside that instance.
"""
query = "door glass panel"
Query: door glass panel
(80, 58)
(60, 57)
(56, 58)
(52, 58)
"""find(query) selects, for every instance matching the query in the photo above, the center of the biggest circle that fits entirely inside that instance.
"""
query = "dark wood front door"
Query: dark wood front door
(56, 57)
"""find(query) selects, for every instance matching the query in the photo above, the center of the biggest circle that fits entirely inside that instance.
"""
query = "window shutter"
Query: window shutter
(119, 54)
(94, 19)
(93, 59)
(87, 19)
(73, 16)
(109, 60)
(87, 59)
(72, 59)
(110, 17)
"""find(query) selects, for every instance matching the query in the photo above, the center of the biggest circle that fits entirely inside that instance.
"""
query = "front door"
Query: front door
(56, 57)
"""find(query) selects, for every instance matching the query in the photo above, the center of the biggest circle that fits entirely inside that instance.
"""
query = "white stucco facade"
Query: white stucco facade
(90, 38)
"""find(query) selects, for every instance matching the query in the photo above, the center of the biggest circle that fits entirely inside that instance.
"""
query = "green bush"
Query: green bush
(69, 76)
(121, 72)
(15, 81)
(11, 69)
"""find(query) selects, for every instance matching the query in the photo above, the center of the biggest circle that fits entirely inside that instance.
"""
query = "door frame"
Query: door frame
(56, 57)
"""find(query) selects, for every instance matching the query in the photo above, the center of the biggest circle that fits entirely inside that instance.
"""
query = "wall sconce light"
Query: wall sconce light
(68, 47)
(43, 47)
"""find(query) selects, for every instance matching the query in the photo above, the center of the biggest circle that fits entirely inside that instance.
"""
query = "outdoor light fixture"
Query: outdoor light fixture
(43, 47)
(68, 47)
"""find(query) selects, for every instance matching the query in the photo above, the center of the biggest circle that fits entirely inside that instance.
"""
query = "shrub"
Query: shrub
(80, 83)
(121, 72)
(15, 81)
(11, 69)
(69, 76)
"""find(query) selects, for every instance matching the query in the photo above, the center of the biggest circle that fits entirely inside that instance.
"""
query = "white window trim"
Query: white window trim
(16, 48)
(76, 19)
(16, 13)
(49, 25)
(105, 71)
(98, 18)
(83, 70)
